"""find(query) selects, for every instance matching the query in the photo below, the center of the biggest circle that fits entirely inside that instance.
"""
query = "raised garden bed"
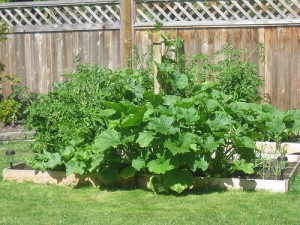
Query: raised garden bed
(14, 132)
(270, 147)
(21, 173)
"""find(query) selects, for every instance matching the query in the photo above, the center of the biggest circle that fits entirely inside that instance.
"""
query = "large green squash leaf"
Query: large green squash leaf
(182, 145)
(181, 80)
(107, 139)
(96, 162)
(219, 121)
(145, 138)
(163, 125)
(200, 164)
(159, 166)
(212, 104)
(241, 165)
(75, 167)
(178, 181)
(54, 159)
(243, 142)
(134, 119)
(138, 163)
(154, 99)
(190, 115)
(210, 144)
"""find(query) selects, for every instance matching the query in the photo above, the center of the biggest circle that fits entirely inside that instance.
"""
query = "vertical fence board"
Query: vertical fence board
(261, 65)
(297, 60)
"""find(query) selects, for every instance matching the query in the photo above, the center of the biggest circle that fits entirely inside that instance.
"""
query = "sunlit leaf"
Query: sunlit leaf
(159, 166)
(107, 139)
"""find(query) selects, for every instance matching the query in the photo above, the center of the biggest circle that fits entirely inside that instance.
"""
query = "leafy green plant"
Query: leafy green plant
(232, 71)
(9, 111)
(112, 123)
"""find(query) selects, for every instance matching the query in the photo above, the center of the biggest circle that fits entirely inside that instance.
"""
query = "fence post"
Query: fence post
(157, 57)
(125, 31)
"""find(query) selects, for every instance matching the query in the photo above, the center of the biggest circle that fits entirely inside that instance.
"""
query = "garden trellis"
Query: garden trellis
(218, 13)
(47, 36)
(67, 15)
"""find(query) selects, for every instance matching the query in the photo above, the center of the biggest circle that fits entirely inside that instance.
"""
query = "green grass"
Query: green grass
(26, 203)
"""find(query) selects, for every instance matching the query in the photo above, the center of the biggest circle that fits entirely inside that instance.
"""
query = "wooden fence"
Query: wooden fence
(48, 36)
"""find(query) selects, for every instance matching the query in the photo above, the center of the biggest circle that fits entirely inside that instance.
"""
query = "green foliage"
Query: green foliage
(232, 71)
(9, 111)
(111, 122)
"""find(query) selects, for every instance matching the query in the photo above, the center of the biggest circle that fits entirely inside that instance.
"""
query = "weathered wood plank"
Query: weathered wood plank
(125, 31)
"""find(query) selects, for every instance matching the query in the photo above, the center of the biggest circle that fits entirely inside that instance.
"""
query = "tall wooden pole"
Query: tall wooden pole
(157, 57)
(125, 32)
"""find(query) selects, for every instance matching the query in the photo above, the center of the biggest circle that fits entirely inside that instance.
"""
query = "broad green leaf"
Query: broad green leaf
(190, 115)
(164, 68)
(170, 99)
(75, 167)
(243, 142)
(200, 164)
(145, 138)
(54, 160)
(124, 107)
(107, 112)
(163, 125)
(134, 119)
(127, 172)
(138, 163)
(276, 125)
(159, 166)
(149, 112)
(212, 104)
(181, 80)
(210, 144)
(178, 181)
(182, 145)
(219, 121)
(154, 99)
(67, 152)
(241, 165)
(96, 162)
(185, 102)
(107, 139)
(109, 174)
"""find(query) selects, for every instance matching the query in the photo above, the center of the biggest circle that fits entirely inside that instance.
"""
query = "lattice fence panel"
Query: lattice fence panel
(34, 16)
(217, 12)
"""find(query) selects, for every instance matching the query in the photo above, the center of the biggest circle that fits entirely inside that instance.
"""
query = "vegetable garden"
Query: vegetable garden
(204, 121)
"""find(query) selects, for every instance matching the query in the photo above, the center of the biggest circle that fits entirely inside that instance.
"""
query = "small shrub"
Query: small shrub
(232, 71)
(9, 111)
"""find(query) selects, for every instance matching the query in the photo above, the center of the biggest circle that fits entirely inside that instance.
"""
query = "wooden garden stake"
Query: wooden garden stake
(157, 56)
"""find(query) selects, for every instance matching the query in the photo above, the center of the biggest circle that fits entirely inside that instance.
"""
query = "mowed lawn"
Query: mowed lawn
(27, 203)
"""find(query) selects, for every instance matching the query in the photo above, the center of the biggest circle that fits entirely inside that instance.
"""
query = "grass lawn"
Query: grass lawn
(26, 203)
